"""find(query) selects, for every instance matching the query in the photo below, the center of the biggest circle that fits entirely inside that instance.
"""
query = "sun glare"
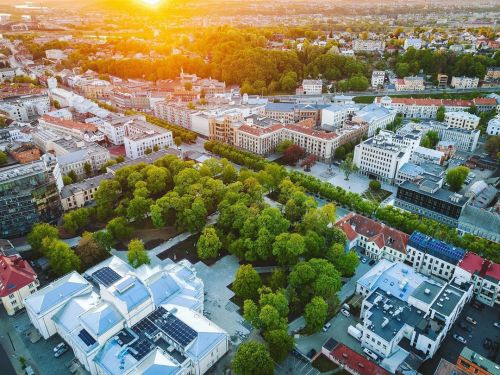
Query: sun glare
(151, 2)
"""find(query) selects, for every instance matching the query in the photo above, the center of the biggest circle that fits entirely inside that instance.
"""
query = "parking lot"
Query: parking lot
(294, 365)
(450, 348)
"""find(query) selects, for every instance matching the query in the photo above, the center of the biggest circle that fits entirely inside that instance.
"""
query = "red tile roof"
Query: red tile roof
(15, 273)
(474, 264)
(258, 130)
(311, 132)
(439, 102)
(349, 358)
(69, 124)
(379, 233)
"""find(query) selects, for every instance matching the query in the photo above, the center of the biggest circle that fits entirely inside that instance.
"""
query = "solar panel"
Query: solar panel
(140, 348)
(86, 338)
(157, 314)
(145, 326)
(106, 276)
(178, 330)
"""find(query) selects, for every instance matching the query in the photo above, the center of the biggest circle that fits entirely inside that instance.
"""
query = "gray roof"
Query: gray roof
(426, 292)
(447, 300)
(480, 218)
(440, 194)
(84, 185)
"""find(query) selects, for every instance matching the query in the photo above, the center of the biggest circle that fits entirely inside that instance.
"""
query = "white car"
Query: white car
(459, 338)
(327, 326)
(61, 351)
(345, 313)
(496, 324)
(470, 320)
(59, 346)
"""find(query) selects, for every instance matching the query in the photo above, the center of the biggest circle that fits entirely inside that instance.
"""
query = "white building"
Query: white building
(375, 116)
(412, 42)
(132, 321)
(383, 155)
(312, 86)
(336, 115)
(368, 45)
(412, 83)
(7, 74)
(484, 276)
(426, 155)
(80, 130)
(142, 136)
(494, 126)
(400, 303)
(433, 257)
(378, 78)
(17, 281)
(463, 120)
(464, 82)
(25, 108)
(174, 113)
(55, 54)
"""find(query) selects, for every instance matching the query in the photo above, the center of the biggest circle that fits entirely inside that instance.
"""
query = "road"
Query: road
(5, 365)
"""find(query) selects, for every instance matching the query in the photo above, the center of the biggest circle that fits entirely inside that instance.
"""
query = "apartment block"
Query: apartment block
(378, 78)
(312, 86)
(493, 126)
(334, 116)
(464, 82)
(412, 42)
(368, 45)
(86, 131)
(142, 136)
(462, 120)
(412, 83)
(25, 108)
(81, 193)
(376, 117)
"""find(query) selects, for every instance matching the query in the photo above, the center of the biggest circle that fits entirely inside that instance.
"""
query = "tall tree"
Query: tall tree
(209, 244)
(247, 282)
(315, 314)
(348, 166)
(455, 177)
(38, 233)
(252, 358)
(61, 258)
(137, 255)
(90, 251)
(119, 228)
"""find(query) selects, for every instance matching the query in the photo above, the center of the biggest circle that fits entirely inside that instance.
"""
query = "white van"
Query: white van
(370, 354)
(29, 370)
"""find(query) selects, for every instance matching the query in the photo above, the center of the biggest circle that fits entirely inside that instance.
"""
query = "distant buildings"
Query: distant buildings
(413, 83)
(442, 81)
(336, 115)
(28, 195)
(412, 42)
(121, 321)
(17, 281)
(368, 45)
(384, 154)
(86, 131)
(464, 82)
(312, 86)
(378, 78)
(492, 74)
(25, 108)
(471, 363)
(493, 126)
(7, 74)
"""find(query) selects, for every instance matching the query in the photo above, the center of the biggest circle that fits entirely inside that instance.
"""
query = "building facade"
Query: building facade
(141, 137)
(464, 82)
(462, 120)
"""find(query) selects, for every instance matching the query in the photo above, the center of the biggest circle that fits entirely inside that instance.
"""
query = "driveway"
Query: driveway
(293, 365)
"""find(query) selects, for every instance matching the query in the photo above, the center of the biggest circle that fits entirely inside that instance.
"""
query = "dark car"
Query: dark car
(311, 353)
(487, 343)
(372, 262)
(477, 305)
(464, 326)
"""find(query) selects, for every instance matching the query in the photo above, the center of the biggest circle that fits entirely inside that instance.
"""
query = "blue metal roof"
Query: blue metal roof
(436, 248)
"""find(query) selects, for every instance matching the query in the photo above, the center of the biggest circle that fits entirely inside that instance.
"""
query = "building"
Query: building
(24, 153)
(174, 113)
(81, 193)
(312, 86)
(17, 281)
(471, 363)
(25, 108)
(412, 83)
(427, 108)
(448, 148)
(86, 131)
(376, 239)
(412, 42)
(55, 54)
(403, 311)
(141, 137)
(484, 276)
(222, 128)
(464, 82)
(383, 155)
(336, 115)
(120, 320)
(259, 140)
(291, 113)
(7, 74)
(378, 78)
(351, 361)
(426, 155)
(28, 195)
(427, 198)
(492, 74)
(480, 222)
(442, 81)
(368, 45)
(375, 116)
(462, 120)
(493, 126)
(429, 256)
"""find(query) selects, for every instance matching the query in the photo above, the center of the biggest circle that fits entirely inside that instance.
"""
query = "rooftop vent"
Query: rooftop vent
(427, 291)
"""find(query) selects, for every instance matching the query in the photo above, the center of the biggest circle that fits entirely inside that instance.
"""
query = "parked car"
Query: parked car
(311, 353)
(370, 354)
(470, 320)
(464, 326)
(327, 326)
(459, 338)
(59, 346)
(477, 305)
(487, 343)
(364, 260)
(345, 313)
(29, 370)
(372, 262)
(61, 351)
(497, 324)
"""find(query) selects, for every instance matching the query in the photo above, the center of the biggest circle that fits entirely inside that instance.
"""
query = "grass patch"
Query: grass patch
(377, 196)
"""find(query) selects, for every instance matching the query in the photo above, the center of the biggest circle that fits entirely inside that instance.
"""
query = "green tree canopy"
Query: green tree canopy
(247, 282)
(209, 244)
(455, 177)
(137, 255)
(252, 358)
(38, 233)
(315, 314)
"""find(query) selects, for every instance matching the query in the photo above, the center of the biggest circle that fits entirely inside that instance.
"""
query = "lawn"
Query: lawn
(323, 364)
(377, 196)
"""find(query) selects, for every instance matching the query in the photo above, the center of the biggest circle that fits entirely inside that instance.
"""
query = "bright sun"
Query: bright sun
(151, 2)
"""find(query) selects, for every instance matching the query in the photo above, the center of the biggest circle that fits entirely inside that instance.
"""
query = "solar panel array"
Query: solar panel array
(146, 326)
(86, 338)
(141, 349)
(106, 276)
(178, 330)
(425, 243)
